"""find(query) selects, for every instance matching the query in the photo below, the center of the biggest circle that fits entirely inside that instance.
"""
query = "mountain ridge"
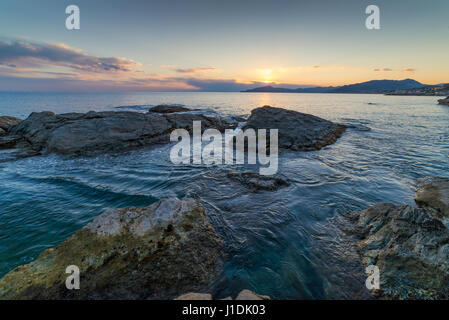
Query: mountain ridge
(372, 86)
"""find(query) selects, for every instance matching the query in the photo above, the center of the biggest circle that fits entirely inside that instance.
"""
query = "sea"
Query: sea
(273, 238)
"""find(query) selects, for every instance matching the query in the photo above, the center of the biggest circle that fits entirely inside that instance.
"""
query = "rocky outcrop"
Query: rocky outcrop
(100, 132)
(94, 133)
(410, 246)
(6, 123)
(164, 108)
(243, 295)
(156, 252)
(433, 194)
(255, 181)
(297, 131)
(444, 101)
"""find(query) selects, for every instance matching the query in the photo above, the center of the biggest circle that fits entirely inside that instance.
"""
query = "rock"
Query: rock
(156, 252)
(297, 131)
(409, 246)
(434, 193)
(243, 295)
(256, 181)
(6, 122)
(249, 295)
(195, 296)
(100, 132)
(9, 141)
(444, 101)
(163, 108)
(2, 132)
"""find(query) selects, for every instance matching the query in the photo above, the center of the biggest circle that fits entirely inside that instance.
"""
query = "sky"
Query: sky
(210, 45)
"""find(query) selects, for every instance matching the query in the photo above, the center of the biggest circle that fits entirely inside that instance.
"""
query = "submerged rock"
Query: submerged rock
(444, 101)
(163, 108)
(433, 193)
(100, 132)
(156, 252)
(297, 131)
(256, 181)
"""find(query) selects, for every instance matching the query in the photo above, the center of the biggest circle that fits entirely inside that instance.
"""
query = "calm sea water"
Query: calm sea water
(270, 236)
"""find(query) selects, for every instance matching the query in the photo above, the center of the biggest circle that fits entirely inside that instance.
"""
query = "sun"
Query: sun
(266, 73)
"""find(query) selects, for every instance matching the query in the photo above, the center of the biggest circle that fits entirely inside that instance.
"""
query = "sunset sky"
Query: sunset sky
(209, 45)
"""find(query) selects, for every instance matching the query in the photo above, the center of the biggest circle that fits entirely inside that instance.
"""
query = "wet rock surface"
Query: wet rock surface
(410, 246)
(164, 108)
(156, 252)
(433, 194)
(297, 131)
(6, 123)
(95, 133)
(256, 182)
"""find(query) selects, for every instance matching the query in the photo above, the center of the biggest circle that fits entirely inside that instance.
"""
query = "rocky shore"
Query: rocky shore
(410, 246)
(94, 133)
(156, 252)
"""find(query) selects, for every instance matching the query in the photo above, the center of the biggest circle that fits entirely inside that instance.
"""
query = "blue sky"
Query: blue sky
(219, 45)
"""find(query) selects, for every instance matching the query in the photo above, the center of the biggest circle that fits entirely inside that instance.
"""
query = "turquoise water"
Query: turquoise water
(271, 237)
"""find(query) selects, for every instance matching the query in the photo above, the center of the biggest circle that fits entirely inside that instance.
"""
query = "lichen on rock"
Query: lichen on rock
(156, 252)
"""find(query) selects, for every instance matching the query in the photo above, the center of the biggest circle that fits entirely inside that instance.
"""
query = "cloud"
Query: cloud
(194, 70)
(22, 54)
(410, 70)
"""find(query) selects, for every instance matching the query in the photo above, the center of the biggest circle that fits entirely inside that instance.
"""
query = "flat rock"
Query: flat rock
(255, 181)
(156, 252)
(433, 192)
(195, 296)
(249, 295)
(164, 108)
(243, 295)
(297, 131)
(95, 133)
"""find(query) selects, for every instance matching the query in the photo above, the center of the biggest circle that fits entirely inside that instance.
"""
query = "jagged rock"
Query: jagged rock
(409, 246)
(2, 132)
(255, 181)
(100, 132)
(163, 108)
(7, 122)
(195, 296)
(433, 192)
(444, 101)
(297, 131)
(249, 295)
(156, 252)
(9, 141)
